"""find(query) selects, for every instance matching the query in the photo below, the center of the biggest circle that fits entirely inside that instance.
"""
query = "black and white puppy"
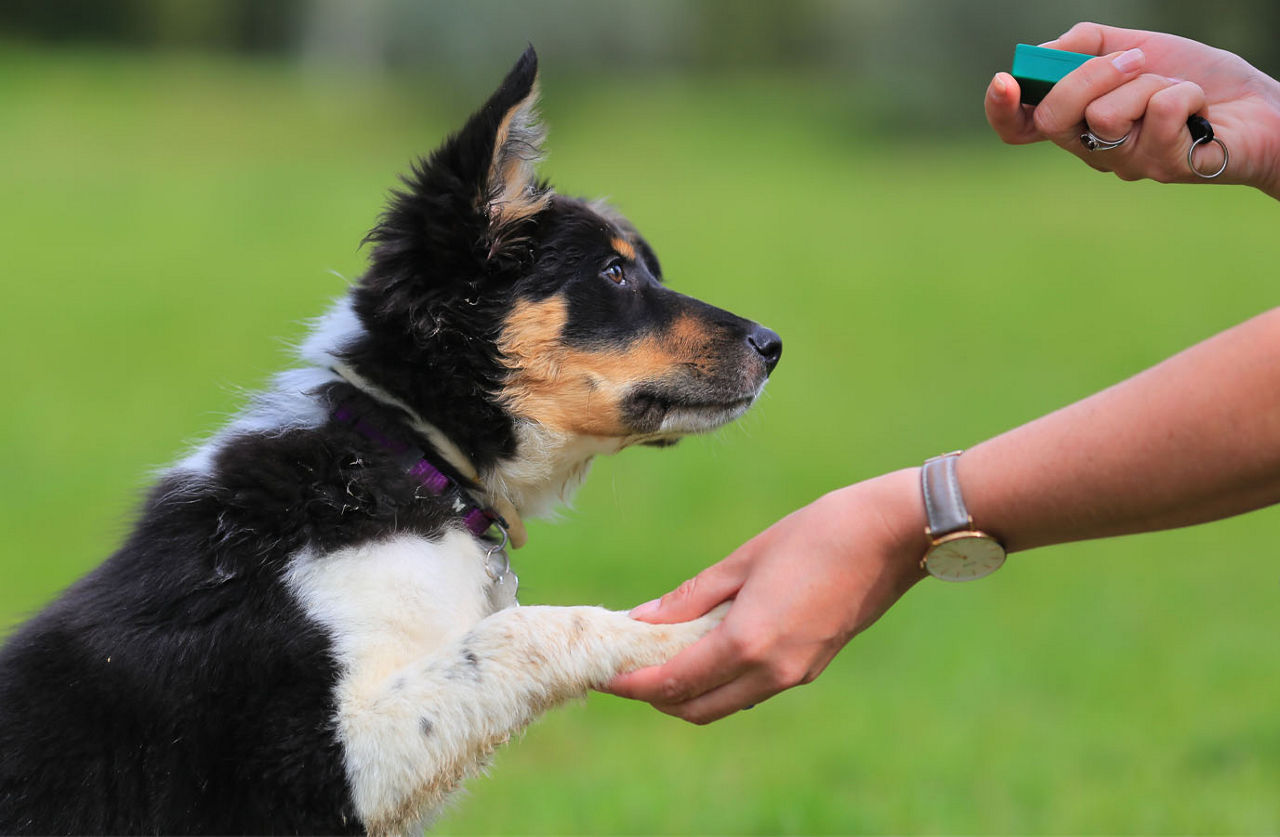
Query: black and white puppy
(312, 628)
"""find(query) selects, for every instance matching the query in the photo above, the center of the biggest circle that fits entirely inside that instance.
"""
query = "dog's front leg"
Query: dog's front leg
(412, 738)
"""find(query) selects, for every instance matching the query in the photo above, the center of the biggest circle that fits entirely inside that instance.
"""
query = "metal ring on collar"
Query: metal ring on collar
(505, 540)
(1191, 162)
(1093, 142)
(496, 562)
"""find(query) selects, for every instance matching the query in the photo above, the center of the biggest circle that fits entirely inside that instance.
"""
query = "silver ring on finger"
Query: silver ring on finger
(1093, 142)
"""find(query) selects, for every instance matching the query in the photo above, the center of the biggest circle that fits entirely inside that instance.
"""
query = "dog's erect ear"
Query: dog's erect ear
(471, 199)
(513, 193)
(495, 153)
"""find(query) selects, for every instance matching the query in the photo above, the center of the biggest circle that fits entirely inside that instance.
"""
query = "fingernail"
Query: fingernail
(646, 609)
(1129, 61)
(998, 88)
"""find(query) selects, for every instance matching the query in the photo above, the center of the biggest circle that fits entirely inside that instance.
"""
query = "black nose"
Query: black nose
(767, 343)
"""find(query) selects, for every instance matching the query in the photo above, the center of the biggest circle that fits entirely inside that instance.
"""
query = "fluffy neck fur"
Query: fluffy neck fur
(544, 472)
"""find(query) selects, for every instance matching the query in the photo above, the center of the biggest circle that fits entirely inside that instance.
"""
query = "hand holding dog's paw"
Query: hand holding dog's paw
(654, 644)
(800, 590)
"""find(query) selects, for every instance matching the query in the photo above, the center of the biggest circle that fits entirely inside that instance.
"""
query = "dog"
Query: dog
(313, 627)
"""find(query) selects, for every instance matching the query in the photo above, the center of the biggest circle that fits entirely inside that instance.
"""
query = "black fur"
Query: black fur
(433, 248)
(179, 687)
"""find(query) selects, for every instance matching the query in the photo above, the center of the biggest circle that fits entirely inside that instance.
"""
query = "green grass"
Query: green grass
(170, 223)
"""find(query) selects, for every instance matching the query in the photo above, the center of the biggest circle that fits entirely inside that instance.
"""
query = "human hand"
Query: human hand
(1146, 85)
(800, 589)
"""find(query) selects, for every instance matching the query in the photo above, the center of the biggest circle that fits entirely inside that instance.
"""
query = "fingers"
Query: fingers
(1152, 110)
(1127, 93)
(1162, 147)
(1165, 123)
(1114, 115)
(1059, 116)
(1113, 98)
(1061, 113)
(757, 678)
(693, 598)
(735, 696)
(1005, 112)
(703, 666)
(1096, 39)
(725, 672)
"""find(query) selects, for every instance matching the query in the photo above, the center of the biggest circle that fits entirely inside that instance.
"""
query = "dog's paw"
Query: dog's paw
(655, 644)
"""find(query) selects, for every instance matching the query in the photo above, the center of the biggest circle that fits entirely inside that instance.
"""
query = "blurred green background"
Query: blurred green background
(187, 183)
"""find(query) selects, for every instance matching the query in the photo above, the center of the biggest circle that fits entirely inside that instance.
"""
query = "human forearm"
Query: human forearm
(1192, 439)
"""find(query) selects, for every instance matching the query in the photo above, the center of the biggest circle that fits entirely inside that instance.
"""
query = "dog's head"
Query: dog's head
(492, 303)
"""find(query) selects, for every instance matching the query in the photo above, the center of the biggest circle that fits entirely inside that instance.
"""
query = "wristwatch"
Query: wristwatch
(959, 551)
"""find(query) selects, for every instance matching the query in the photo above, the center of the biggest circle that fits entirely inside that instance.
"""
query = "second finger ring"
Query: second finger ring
(1093, 142)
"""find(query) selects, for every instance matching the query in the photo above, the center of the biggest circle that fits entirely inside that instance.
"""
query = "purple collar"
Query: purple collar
(476, 518)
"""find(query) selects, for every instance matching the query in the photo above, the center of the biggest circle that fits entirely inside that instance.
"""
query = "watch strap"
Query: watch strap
(944, 507)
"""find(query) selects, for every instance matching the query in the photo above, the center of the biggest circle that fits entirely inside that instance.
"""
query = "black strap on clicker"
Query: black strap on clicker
(1201, 130)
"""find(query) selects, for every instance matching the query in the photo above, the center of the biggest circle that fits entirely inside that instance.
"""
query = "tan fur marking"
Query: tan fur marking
(513, 192)
(580, 391)
(624, 248)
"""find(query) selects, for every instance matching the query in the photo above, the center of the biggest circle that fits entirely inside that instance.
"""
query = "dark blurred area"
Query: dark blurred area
(915, 61)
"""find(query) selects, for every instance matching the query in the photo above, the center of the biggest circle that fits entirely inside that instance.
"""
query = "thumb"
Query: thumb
(695, 597)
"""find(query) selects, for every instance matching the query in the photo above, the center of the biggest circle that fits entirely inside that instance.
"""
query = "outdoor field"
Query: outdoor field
(170, 224)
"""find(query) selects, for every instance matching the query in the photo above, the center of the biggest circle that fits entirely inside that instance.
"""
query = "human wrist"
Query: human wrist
(1268, 174)
(898, 505)
(1270, 183)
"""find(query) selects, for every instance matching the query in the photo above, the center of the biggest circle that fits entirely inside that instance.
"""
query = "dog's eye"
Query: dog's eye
(614, 273)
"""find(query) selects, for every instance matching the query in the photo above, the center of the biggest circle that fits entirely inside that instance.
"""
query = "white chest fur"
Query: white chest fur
(388, 602)
(431, 681)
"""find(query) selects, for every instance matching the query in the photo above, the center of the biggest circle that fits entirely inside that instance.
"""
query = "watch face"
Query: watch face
(964, 556)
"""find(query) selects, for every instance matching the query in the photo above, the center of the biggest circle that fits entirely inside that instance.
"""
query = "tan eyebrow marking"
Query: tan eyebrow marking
(624, 248)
